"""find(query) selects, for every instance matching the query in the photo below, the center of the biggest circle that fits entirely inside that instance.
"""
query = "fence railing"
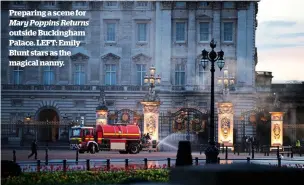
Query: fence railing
(107, 164)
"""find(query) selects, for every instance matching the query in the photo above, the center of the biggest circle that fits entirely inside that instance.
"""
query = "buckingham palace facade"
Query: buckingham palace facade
(122, 41)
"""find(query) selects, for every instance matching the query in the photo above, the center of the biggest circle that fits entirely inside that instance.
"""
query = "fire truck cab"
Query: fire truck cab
(117, 137)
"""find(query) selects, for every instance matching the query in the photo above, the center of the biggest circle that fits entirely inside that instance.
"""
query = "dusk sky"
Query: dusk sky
(280, 39)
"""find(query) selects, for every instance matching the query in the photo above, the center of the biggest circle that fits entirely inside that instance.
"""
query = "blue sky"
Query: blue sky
(280, 39)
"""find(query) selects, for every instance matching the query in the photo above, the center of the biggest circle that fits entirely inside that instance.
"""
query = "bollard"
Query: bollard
(126, 164)
(252, 151)
(291, 155)
(196, 161)
(278, 151)
(169, 162)
(88, 164)
(108, 165)
(218, 160)
(145, 163)
(238, 149)
(234, 149)
(279, 162)
(64, 165)
(38, 165)
(248, 160)
(223, 150)
(14, 155)
(226, 152)
(77, 153)
(46, 156)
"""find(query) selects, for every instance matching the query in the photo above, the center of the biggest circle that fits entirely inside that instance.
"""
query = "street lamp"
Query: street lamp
(227, 81)
(212, 56)
(151, 80)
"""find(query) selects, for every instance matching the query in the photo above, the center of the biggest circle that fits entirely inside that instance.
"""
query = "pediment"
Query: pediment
(110, 56)
(80, 53)
(141, 57)
(79, 56)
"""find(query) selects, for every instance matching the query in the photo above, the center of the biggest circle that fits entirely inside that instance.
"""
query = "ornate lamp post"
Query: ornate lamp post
(227, 82)
(151, 104)
(151, 80)
(212, 56)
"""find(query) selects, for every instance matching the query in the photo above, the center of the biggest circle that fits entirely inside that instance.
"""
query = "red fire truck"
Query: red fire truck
(118, 137)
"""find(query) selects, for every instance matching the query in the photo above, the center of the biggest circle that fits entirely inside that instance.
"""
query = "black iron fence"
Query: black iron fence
(125, 164)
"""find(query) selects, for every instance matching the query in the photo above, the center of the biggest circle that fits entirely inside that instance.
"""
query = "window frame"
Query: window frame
(233, 31)
(116, 73)
(75, 72)
(177, 82)
(20, 72)
(106, 24)
(139, 73)
(51, 69)
(209, 31)
(185, 32)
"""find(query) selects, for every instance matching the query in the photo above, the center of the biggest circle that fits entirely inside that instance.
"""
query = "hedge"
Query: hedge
(88, 177)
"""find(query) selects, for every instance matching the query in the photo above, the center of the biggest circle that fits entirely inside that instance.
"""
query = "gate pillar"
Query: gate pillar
(225, 123)
(151, 115)
(277, 128)
(101, 110)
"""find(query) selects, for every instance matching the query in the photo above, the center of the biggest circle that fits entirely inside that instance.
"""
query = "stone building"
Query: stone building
(122, 41)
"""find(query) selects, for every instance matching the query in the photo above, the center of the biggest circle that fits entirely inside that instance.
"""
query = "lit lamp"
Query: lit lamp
(151, 99)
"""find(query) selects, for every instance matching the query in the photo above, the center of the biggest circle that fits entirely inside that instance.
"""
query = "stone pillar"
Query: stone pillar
(191, 58)
(151, 115)
(101, 117)
(241, 47)
(225, 123)
(276, 128)
(164, 40)
(293, 122)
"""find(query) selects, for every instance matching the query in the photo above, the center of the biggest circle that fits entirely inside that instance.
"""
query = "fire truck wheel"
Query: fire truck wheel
(134, 148)
(92, 149)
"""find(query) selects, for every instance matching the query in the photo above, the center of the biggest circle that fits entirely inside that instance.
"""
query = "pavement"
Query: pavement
(21, 155)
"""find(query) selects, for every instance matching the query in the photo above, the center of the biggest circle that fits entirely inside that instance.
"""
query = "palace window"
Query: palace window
(180, 74)
(111, 36)
(81, 4)
(142, 3)
(141, 72)
(142, 32)
(48, 75)
(203, 76)
(204, 31)
(17, 75)
(203, 4)
(79, 74)
(111, 3)
(50, 3)
(180, 4)
(228, 31)
(228, 5)
(110, 74)
(180, 31)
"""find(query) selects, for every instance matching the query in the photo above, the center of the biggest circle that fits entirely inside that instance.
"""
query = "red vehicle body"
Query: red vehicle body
(118, 137)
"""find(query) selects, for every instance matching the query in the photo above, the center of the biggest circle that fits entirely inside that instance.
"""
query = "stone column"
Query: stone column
(151, 115)
(164, 41)
(101, 117)
(241, 46)
(191, 58)
(293, 123)
(276, 128)
(225, 123)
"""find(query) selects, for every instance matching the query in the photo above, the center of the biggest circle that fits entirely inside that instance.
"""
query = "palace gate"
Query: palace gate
(184, 124)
